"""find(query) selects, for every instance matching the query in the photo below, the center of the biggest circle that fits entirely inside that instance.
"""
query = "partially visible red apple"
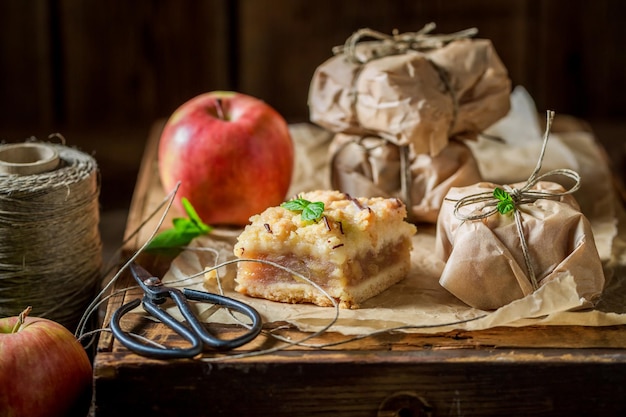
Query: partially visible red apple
(44, 370)
(232, 153)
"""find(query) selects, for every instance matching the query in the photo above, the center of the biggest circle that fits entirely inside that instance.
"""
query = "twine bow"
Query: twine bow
(523, 195)
(399, 43)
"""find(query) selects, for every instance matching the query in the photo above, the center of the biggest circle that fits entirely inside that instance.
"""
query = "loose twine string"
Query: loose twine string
(396, 44)
(88, 336)
(520, 196)
(50, 247)
(399, 43)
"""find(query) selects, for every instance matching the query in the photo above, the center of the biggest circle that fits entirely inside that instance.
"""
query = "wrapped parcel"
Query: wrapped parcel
(371, 166)
(485, 262)
(411, 88)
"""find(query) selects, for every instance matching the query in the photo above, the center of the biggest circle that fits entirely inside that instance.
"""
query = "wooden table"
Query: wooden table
(536, 370)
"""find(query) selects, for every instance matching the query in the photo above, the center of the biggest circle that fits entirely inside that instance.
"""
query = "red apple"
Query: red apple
(44, 370)
(232, 154)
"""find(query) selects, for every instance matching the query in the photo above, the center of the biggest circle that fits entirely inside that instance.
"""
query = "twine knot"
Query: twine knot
(509, 199)
(516, 194)
(399, 43)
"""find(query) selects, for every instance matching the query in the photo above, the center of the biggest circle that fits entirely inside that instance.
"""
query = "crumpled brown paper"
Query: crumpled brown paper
(369, 166)
(411, 88)
(508, 161)
(485, 265)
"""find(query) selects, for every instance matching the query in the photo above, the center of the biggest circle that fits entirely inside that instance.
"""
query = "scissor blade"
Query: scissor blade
(141, 274)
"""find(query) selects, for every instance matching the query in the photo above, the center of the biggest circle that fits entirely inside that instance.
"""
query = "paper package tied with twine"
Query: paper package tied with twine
(50, 246)
(501, 243)
(370, 166)
(411, 88)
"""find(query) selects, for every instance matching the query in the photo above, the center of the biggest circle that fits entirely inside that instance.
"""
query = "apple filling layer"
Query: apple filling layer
(357, 249)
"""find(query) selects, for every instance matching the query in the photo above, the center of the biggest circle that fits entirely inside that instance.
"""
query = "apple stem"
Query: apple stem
(220, 109)
(20, 319)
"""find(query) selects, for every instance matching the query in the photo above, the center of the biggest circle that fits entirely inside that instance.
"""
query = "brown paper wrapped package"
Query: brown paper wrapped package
(485, 267)
(370, 167)
(417, 97)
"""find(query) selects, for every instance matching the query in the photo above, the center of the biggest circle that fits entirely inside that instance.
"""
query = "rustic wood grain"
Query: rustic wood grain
(130, 61)
(573, 78)
(74, 64)
(29, 64)
(356, 383)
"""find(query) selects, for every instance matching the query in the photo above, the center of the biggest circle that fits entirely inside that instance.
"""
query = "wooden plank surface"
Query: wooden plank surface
(535, 370)
(450, 383)
(74, 64)
(128, 62)
(27, 73)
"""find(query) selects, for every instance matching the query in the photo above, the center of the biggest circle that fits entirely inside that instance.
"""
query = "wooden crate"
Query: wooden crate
(536, 370)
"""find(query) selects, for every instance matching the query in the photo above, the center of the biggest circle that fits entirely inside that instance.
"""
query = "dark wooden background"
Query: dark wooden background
(101, 72)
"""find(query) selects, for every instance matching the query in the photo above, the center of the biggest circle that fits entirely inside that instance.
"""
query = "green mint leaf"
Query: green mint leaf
(505, 207)
(505, 204)
(313, 211)
(193, 216)
(171, 238)
(297, 204)
(184, 230)
(501, 195)
(185, 226)
(309, 211)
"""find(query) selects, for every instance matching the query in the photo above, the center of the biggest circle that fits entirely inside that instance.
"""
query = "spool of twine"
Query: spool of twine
(50, 247)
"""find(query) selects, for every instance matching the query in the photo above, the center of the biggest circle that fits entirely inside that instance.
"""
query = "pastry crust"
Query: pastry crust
(359, 248)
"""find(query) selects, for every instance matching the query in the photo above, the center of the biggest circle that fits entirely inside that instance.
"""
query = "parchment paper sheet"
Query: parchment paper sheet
(419, 299)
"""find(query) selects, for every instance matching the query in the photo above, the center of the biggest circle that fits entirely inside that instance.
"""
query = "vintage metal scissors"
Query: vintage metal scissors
(194, 331)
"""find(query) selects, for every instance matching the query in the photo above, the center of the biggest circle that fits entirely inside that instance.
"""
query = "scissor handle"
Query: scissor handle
(230, 303)
(134, 345)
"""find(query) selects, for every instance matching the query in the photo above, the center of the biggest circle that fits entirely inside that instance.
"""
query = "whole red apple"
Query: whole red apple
(232, 153)
(44, 370)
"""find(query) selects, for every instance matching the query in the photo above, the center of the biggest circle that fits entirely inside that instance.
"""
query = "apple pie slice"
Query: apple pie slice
(355, 249)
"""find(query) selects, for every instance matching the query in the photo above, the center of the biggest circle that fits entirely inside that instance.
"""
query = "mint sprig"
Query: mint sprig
(183, 232)
(310, 211)
(505, 201)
